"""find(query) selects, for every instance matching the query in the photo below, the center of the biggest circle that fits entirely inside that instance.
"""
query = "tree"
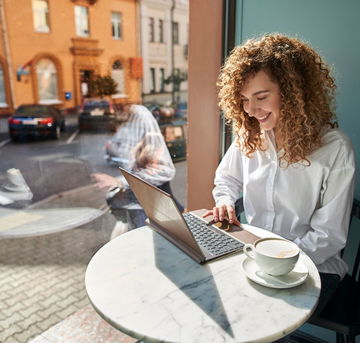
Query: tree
(101, 86)
(176, 78)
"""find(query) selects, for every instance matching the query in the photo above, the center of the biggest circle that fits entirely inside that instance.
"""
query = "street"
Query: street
(42, 276)
(30, 155)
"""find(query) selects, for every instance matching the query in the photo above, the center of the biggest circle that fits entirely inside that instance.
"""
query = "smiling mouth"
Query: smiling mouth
(264, 118)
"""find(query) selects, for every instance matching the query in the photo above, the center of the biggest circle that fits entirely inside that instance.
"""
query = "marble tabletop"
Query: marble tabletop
(16, 223)
(146, 287)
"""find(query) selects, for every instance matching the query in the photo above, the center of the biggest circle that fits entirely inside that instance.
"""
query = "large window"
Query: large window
(47, 81)
(151, 30)
(117, 73)
(82, 21)
(41, 15)
(161, 31)
(2, 88)
(116, 25)
(175, 32)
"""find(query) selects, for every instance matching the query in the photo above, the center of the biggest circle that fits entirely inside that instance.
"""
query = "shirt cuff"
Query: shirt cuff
(224, 200)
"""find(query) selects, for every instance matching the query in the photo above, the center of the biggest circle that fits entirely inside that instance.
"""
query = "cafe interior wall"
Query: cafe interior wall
(332, 28)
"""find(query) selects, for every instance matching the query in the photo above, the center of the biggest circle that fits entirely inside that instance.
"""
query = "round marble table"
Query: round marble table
(146, 287)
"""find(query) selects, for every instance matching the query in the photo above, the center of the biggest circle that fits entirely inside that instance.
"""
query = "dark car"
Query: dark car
(36, 120)
(96, 115)
(175, 137)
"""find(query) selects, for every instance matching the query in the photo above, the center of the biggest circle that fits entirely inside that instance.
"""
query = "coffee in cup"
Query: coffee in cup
(274, 256)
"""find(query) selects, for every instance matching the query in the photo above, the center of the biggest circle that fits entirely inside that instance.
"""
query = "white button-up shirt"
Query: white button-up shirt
(309, 205)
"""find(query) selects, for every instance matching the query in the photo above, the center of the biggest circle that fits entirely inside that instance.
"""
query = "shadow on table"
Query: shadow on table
(175, 265)
(286, 294)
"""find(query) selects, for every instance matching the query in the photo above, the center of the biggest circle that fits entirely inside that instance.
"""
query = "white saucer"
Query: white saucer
(296, 277)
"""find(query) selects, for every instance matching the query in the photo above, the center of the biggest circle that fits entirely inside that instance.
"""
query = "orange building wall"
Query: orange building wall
(26, 44)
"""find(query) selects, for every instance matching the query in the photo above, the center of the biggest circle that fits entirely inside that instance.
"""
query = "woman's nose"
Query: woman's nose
(251, 109)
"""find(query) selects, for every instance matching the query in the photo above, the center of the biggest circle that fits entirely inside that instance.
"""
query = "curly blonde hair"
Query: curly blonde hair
(307, 94)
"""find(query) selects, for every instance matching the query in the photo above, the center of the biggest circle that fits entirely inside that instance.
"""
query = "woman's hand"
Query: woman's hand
(105, 181)
(223, 212)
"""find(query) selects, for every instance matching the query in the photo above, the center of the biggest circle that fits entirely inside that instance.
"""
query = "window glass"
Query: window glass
(151, 30)
(82, 21)
(162, 79)
(47, 80)
(117, 73)
(2, 87)
(161, 31)
(91, 105)
(175, 32)
(41, 15)
(153, 80)
(116, 25)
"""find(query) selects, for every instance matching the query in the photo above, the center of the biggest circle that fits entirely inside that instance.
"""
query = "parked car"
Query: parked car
(36, 120)
(175, 134)
(97, 115)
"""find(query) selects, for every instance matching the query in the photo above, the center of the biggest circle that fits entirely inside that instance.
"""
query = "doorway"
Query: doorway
(85, 77)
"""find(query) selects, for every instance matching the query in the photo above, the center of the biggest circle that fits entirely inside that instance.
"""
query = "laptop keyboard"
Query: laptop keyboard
(217, 243)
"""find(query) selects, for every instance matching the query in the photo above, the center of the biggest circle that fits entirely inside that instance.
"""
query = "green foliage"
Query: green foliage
(176, 78)
(101, 86)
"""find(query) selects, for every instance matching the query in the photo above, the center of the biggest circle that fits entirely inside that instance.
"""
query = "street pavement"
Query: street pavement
(42, 278)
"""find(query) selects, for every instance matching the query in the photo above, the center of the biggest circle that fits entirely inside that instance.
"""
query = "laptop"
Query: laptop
(201, 239)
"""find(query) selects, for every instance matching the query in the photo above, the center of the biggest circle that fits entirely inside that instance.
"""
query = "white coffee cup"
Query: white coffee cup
(274, 256)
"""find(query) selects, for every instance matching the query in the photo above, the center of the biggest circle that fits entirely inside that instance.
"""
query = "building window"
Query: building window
(177, 75)
(151, 30)
(2, 88)
(41, 15)
(162, 78)
(82, 21)
(175, 32)
(116, 25)
(117, 73)
(47, 81)
(161, 31)
(153, 80)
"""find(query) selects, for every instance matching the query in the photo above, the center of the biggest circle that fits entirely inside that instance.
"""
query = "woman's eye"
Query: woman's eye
(263, 98)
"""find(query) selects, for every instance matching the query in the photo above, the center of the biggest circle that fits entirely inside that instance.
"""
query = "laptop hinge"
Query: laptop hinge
(188, 250)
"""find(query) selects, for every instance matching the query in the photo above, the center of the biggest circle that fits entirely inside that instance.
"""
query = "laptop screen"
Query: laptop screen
(161, 209)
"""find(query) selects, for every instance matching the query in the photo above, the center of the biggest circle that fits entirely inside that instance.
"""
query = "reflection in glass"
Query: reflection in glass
(2, 88)
(47, 80)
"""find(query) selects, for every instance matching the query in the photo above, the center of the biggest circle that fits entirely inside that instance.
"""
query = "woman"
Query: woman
(290, 161)
(141, 149)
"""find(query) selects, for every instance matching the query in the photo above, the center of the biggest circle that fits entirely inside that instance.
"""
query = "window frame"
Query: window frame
(151, 30)
(161, 31)
(116, 24)
(153, 80)
(121, 94)
(56, 99)
(45, 16)
(162, 79)
(175, 33)
(78, 22)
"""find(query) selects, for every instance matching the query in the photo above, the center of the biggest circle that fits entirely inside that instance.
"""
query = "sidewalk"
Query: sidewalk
(42, 278)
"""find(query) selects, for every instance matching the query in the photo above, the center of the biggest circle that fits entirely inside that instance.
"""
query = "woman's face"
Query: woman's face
(262, 100)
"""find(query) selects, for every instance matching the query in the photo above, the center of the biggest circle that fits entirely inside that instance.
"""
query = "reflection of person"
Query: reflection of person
(289, 160)
(140, 146)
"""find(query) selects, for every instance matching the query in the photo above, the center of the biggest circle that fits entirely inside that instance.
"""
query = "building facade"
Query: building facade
(164, 45)
(50, 49)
